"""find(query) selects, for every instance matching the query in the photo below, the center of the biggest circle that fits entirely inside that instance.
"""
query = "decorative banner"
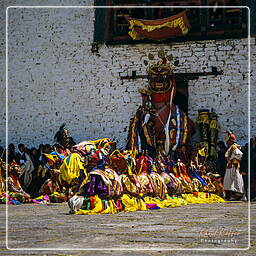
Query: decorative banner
(161, 29)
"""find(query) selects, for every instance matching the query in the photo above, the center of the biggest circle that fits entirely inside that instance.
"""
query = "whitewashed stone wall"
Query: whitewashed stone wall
(54, 78)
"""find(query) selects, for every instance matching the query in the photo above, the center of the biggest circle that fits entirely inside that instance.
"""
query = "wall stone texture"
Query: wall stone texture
(55, 78)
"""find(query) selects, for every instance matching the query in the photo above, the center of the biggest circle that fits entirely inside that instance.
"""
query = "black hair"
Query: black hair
(58, 136)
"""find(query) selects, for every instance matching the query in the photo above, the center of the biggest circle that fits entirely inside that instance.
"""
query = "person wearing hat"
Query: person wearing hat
(14, 187)
(233, 180)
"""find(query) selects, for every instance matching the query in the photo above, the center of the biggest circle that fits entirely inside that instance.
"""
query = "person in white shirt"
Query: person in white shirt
(27, 167)
(233, 180)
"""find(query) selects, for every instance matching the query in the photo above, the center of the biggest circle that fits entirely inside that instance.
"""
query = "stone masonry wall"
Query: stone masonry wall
(55, 78)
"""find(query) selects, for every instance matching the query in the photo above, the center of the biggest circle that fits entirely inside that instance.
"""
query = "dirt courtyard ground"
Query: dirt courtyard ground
(152, 232)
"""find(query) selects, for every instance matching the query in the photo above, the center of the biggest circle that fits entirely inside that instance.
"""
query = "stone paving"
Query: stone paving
(154, 232)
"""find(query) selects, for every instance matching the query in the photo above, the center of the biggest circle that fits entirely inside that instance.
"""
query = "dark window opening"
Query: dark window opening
(181, 97)
(206, 23)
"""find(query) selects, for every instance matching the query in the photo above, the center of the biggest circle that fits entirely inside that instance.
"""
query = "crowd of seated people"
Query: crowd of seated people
(24, 168)
(47, 171)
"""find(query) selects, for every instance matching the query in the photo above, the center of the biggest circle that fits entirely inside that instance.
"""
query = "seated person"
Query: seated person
(51, 185)
(14, 187)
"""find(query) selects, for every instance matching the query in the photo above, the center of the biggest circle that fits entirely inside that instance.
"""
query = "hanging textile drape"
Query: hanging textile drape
(161, 29)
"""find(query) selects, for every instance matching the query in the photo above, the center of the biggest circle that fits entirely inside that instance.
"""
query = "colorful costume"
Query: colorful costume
(50, 186)
(15, 190)
(71, 168)
(159, 126)
(102, 182)
(143, 184)
(2, 176)
(208, 126)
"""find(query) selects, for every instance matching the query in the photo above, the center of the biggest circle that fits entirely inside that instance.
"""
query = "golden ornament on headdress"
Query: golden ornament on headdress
(150, 56)
(145, 62)
(164, 61)
(161, 53)
(170, 57)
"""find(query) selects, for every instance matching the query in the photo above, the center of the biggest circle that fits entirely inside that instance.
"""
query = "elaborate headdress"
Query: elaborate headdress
(163, 61)
(160, 71)
(230, 136)
(62, 136)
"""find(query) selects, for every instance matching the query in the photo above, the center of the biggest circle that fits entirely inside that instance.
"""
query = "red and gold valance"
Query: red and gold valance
(161, 29)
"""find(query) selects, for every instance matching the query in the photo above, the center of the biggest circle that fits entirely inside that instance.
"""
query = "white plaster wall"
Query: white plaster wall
(54, 78)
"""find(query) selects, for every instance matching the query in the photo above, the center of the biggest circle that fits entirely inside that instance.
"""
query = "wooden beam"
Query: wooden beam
(179, 76)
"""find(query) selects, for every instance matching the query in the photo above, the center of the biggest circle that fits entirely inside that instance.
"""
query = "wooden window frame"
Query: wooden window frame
(104, 25)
